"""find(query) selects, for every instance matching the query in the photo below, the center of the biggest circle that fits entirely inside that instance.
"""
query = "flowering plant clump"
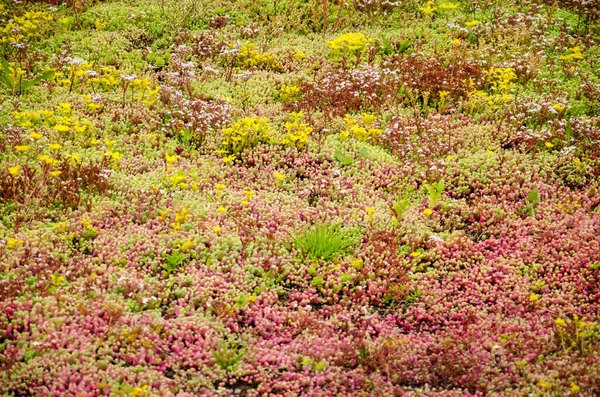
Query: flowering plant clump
(250, 58)
(349, 44)
(246, 133)
(370, 197)
(297, 132)
(361, 127)
(27, 27)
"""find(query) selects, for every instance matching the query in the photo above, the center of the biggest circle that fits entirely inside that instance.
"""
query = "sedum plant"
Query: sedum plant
(246, 133)
(325, 241)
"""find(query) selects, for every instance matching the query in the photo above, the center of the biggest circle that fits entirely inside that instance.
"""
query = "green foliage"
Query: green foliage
(400, 206)
(414, 296)
(13, 79)
(317, 282)
(326, 241)
(173, 261)
(531, 201)
(434, 191)
(342, 158)
(228, 355)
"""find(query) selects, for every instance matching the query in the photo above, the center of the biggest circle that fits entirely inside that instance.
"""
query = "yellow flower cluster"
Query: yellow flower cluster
(574, 54)
(245, 133)
(61, 121)
(348, 43)
(361, 128)
(502, 85)
(146, 90)
(289, 93)
(297, 132)
(250, 58)
(30, 25)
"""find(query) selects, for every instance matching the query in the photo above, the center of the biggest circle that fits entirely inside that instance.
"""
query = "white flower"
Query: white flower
(75, 61)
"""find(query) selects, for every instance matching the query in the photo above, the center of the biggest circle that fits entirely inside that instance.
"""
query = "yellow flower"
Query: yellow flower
(109, 143)
(249, 194)
(64, 108)
(22, 148)
(472, 24)
(427, 10)
(252, 298)
(171, 158)
(14, 171)
(279, 177)
(415, 254)
(370, 210)
(545, 385)
(489, 153)
(217, 229)
(61, 128)
(549, 145)
(36, 135)
(75, 157)
(229, 159)
(448, 6)
(56, 173)
(575, 387)
(534, 297)
(177, 179)
(245, 202)
(54, 146)
(13, 243)
(559, 107)
(299, 55)
(427, 212)
(222, 209)
(560, 322)
(450, 157)
(46, 159)
(188, 244)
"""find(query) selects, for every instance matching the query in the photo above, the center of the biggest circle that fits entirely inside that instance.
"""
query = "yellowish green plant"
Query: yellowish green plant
(289, 93)
(297, 132)
(250, 58)
(246, 133)
(348, 44)
(362, 127)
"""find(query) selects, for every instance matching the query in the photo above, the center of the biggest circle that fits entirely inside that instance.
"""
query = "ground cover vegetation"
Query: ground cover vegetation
(300, 198)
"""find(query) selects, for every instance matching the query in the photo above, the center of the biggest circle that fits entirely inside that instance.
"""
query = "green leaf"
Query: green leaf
(387, 47)
(400, 206)
(440, 186)
(5, 66)
(343, 159)
(317, 281)
(7, 81)
(533, 198)
(44, 76)
(405, 45)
